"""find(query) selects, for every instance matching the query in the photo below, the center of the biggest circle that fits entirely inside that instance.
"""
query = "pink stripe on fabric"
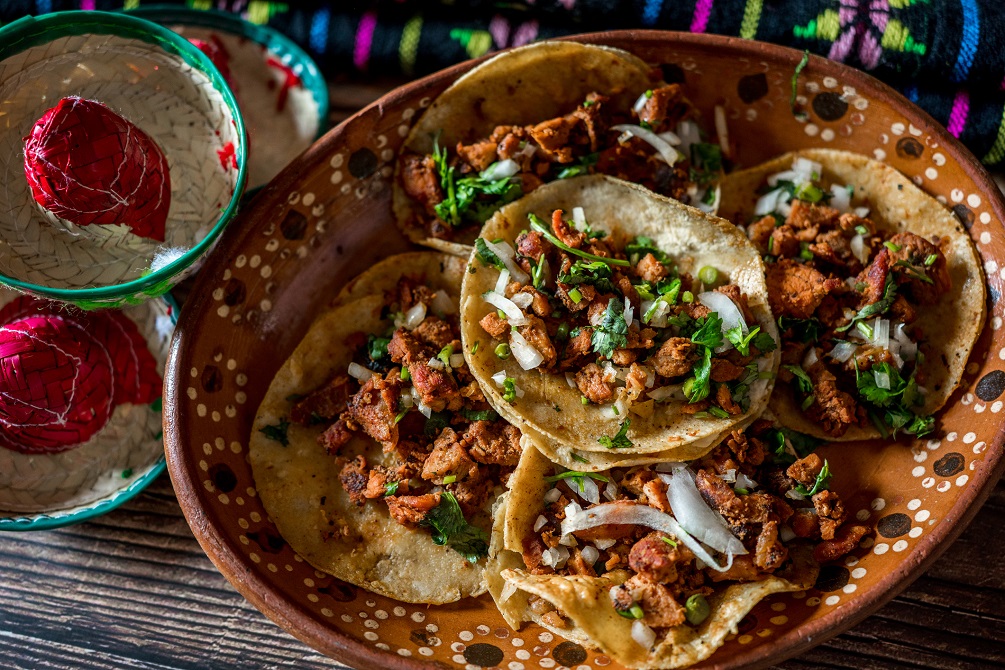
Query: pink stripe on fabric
(958, 117)
(702, 10)
(87, 5)
(364, 39)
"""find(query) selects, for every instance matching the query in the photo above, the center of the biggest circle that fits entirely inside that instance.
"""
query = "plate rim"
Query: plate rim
(333, 641)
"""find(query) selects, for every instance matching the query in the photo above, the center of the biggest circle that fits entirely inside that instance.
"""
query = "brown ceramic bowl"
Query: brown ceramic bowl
(328, 216)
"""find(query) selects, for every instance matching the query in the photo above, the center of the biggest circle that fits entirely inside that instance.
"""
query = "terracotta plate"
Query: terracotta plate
(328, 216)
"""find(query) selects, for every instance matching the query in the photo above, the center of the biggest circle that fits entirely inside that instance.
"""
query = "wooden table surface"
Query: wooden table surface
(133, 589)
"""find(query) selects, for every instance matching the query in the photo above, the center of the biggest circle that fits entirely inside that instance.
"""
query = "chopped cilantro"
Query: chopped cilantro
(718, 412)
(619, 441)
(801, 443)
(612, 331)
(481, 415)
(278, 432)
(876, 308)
(487, 256)
(684, 323)
(822, 482)
(914, 272)
(709, 332)
(452, 529)
(401, 415)
(470, 198)
(593, 273)
(804, 330)
(436, 422)
(577, 477)
(699, 384)
(802, 379)
(706, 164)
(577, 457)
(640, 246)
(445, 354)
(377, 347)
(667, 293)
(537, 272)
(390, 488)
(538, 225)
(897, 401)
(763, 341)
(582, 166)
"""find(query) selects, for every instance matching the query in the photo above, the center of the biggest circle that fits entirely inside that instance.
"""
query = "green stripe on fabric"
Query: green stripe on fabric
(751, 19)
(997, 151)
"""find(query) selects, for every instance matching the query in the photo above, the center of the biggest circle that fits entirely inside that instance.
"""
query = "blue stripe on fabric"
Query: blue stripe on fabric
(911, 93)
(968, 41)
(318, 39)
(651, 12)
(43, 6)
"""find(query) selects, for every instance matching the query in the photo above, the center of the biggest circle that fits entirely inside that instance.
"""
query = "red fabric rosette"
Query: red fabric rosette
(87, 165)
(62, 375)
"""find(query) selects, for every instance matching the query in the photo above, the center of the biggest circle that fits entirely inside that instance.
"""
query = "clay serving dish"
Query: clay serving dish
(328, 216)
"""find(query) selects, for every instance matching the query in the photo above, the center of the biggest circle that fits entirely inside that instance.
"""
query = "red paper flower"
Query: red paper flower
(61, 376)
(87, 165)
(217, 53)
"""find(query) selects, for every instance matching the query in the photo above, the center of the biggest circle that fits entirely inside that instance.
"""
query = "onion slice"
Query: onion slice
(503, 169)
(641, 515)
(662, 147)
(359, 372)
(727, 310)
(696, 517)
(524, 352)
(506, 254)
(509, 308)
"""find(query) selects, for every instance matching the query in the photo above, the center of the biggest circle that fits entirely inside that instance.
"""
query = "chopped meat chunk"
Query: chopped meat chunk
(479, 155)
(405, 348)
(436, 388)
(494, 442)
(832, 408)
(374, 408)
(553, 136)
(724, 398)
(376, 486)
(808, 215)
(533, 548)
(796, 289)
(563, 232)
(554, 619)
(760, 232)
(536, 334)
(804, 523)
(335, 437)
(471, 494)
(675, 357)
(494, 325)
(590, 381)
(577, 565)
(661, 609)
(420, 181)
(831, 512)
(742, 570)
(411, 510)
(915, 250)
(843, 542)
(805, 470)
(650, 269)
(725, 371)
(770, 552)
(531, 244)
(435, 332)
(749, 450)
(874, 277)
(326, 402)
(663, 102)
(656, 559)
(354, 477)
(448, 458)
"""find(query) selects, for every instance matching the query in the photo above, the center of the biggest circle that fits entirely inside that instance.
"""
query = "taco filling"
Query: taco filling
(616, 318)
(656, 144)
(681, 531)
(408, 389)
(847, 295)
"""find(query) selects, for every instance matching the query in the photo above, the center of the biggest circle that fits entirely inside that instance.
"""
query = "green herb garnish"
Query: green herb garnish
(612, 332)
(452, 529)
(278, 432)
(619, 441)
(538, 225)
(822, 482)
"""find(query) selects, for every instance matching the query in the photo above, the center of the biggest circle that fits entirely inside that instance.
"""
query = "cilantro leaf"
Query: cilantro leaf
(684, 323)
(435, 422)
(487, 256)
(482, 415)
(802, 379)
(896, 401)
(390, 488)
(580, 167)
(452, 529)
(709, 332)
(876, 308)
(620, 440)
(612, 332)
(804, 330)
(700, 384)
(537, 224)
(802, 444)
(278, 432)
(594, 273)
(640, 246)
(577, 477)
(706, 163)
(822, 482)
(461, 200)
(742, 343)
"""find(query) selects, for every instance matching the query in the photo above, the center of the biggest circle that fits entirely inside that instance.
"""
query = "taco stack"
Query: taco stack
(876, 287)
(541, 113)
(609, 322)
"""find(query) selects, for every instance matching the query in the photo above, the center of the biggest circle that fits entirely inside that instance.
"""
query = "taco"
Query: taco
(541, 113)
(655, 565)
(373, 450)
(627, 324)
(877, 288)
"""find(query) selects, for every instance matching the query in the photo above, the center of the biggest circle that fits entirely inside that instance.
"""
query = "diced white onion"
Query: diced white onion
(842, 351)
(572, 508)
(650, 377)
(792, 494)
(669, 466)
(442, 304)
(529, 150)
(407, 398)
(881, 333)
(611, 493)
(806, 169)
(786, 534)
(908, 348)
(670, 136)
(570, 379)
(767, 203)
(859, 249)
(840, 198)
(861, 212)
(563, 553)
(513, 314)
(552, 495)
(499, 377)
(721, 129)
(541, 522)
(605, 543)
(661, 393)
(591, 491)
(425, 409)
(610, 373)
(456, 360)
(518, 391)
(662, 147)
(729, 477)
(522, 300)
(706, 207)
(642, 515)
(624, 137)
(696, 517)
(689, 134)
(590, 554)
(502, 282)
(621, 406)
(727, 310)
(359, 372)
(810, 358)
(436, 364)
(745, 482)
(882, 379)
(787, 175)
(414, 316)
(643, 634)
(640, 103)
(500, 170)
(506, 254)
(525, 354)
(629, 312)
